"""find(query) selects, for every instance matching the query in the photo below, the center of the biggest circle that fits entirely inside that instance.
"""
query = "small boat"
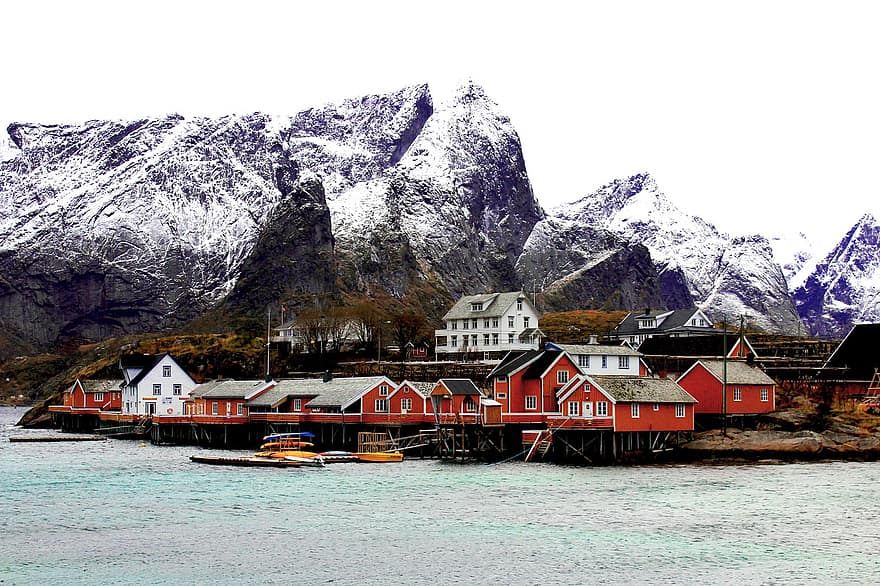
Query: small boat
(314, 462)
(337, 457)
(378, 457)
(248, 462)
(282, 445)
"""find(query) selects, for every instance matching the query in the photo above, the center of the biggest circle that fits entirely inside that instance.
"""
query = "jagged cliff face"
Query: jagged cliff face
(845, 287)
(726, 276)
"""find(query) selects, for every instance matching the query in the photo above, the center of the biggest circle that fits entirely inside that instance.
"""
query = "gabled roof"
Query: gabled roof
(148, 366)
(528, 333)
(673, 320)
(225, 389)
(595, 349)
(101, 386)
(339, 392)
(705, 345)
(279, 391)
(460, 386)
(494, 305)
(420, 387)
(513, 361)
(537, 368)
(859, 352)
(634, 389)
(738, 372)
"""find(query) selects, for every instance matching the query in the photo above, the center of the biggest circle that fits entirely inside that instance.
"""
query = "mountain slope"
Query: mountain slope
(726, 276)
(845, 286)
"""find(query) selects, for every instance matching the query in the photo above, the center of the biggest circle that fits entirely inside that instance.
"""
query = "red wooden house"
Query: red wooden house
(526, 384)
(457, 399)
(749, 390)
(100, 395)
(412, 398)
(220, 398)
(646, 403)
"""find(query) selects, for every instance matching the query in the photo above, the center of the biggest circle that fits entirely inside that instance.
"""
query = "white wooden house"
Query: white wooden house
(154, 385)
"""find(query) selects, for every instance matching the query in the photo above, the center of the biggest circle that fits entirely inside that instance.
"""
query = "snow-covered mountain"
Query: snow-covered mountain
(726, 276)
(844, 288)
(795, 255)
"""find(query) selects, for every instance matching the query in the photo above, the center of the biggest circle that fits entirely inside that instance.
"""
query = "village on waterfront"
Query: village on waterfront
(498, 389)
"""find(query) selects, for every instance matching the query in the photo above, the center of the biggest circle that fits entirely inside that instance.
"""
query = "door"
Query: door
(588, 408)
(151, 407)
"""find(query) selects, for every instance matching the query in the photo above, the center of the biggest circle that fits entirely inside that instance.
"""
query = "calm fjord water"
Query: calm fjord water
(120, 512)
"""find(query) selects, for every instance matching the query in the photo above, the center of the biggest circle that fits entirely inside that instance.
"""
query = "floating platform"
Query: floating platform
(247, 462)
(58, 438)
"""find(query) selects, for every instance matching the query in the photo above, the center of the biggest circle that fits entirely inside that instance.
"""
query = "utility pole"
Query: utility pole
(724, 379)
(268, 340)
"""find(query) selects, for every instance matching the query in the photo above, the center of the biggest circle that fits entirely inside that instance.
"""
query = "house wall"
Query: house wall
(663, 419)
(419, 404)
(503, 330)
(550, 385)
(634, 368)
(225, 407)
(581, 396)
(368, 399)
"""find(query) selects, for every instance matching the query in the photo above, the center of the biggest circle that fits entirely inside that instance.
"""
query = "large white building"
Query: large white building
(154, 385)
(488, 326)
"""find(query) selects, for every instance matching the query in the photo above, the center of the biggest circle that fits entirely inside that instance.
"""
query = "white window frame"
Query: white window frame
(510, 321)
(584, 360)
(604, 361)
(157, 390)
(381, 405)
(406, 405)
(177, 389)
(519, 304)
(166, 371)
(510, 338)
(737, 395)
(215, 407)
(486, 323)
(99, 397)
(474, 324)
(679, 410)
(494, 322)
(531, 402)
(601, 408)
(634, 410)
(454, 341)
(240, 409)
(500, 395)
(297, 404)
(561, 377)
(574, 408)
(383, 390)
(525, 321)
(623, 362)
(469, 405)
(656, 406)
(765, 395)
(485, 339)
(494, 339)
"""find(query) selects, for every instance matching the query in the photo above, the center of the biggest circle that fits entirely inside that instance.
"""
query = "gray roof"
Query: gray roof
(513, 361)
(461, 386)
(225, 389)
(632, 389)
(738, 372)
(338, 392)
(422, 387)
(598, 349)
(101, 386)
(282, 389)
(677, 319)
(494, 305)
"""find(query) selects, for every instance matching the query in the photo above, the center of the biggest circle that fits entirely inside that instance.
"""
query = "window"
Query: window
(99, 396)
(510, 338)
(157, 389)
(525, 321)
(240, 409)
(383, 390)
(561, 376)
(531, 402)
(454, 341)
(656, 406)
(381, 405)
(464, 341)
(500, 395)
(573, 408)
(494, 322)
(469, 405)
(228, 408)
(604, 362)
(297, 404)
(473, 339)
(679, 410)
(464, 324)
(647, 323)
(494, 339)
(634, 410)
(166, 371)
(177, 389)
(623, 362)
(584, 360)
(453, 325)
(765, 395)
(602, 408)
(215, 408)
(474, 323)
(486, 323)
(501, 379)
(477, 306)
(737, 394)
(510, 319)
(519, 304)
(485, 339)
(405, 404)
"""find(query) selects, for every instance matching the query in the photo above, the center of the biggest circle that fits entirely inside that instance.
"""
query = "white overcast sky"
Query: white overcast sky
(758, 116)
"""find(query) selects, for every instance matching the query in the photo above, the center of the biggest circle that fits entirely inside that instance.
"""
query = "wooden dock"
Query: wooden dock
(57, 438)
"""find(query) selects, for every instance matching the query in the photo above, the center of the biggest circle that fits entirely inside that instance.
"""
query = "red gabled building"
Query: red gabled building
(412, 398)
(749, 390)
(458, 399)
(97, 395)
(526, 384)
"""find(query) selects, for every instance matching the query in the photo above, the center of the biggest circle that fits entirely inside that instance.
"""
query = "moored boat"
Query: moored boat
(379, 457)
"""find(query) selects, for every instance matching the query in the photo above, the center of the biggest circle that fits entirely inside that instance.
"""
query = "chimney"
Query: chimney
(328, 376)
(647, 311)
(594, 339)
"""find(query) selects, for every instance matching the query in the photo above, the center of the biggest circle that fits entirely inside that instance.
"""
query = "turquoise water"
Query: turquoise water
(124, 512)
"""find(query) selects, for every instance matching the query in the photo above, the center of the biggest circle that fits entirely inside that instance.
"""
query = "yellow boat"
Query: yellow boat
(286, 445)
(376, 457)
